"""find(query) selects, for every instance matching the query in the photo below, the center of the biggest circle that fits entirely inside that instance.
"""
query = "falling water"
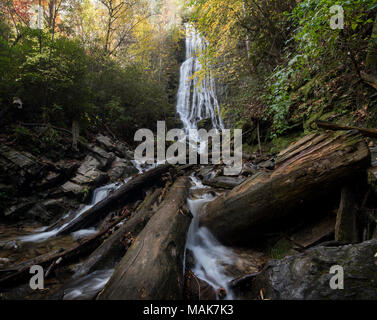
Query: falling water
(98, 195)
(211, 257)
(196, 100)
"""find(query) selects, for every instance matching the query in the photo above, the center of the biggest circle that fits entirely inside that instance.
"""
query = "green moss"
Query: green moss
(283, 142)
(281, 249)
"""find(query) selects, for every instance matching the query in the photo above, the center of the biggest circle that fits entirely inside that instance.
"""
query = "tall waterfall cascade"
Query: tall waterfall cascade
(196, 100)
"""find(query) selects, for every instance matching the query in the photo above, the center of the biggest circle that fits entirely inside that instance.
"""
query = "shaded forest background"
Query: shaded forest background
(114, 65)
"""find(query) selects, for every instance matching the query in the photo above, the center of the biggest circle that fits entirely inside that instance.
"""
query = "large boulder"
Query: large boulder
(121, 169)
(307, 275)
(87, 177)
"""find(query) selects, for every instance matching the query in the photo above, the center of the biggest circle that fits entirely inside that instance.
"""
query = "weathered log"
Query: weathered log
(372, 133)
(153, 266)
(111, 251)
(115, 200)
(306, 173)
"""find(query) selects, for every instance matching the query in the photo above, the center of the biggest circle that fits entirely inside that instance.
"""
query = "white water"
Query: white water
(88, 287)
(210, 256)
(196, 101)
(98, 195)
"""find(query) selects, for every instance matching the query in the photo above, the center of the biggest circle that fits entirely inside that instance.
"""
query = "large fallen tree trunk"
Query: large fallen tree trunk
(153, 266)
(372, 133)
(111, 251)
(115, 200)
(306, 173)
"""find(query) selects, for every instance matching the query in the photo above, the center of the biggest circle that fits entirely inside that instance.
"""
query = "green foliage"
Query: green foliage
(50, 138)
(58, 81)
(317, 48)
(53, 75)
(23, 136)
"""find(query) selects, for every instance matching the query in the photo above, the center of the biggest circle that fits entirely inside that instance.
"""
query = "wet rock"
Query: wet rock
(121, 169)
(269, 164)
(197, 289)
(104, 158)
(207, 173)
(18, 210)
(68, 168)
(224, 182)
(248, 169)
(307, 275)
(47, 211)
(19, 168)
(87, 177)
(105, 142)
(244, 263)
(72, 188)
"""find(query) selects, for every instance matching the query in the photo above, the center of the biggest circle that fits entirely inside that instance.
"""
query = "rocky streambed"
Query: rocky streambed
(188, 232)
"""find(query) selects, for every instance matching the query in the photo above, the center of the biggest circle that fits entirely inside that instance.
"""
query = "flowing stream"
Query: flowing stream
(197, 101)
(98, 195)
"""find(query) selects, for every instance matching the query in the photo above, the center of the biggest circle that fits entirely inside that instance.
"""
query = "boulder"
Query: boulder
(48, 211)
(87, 177)
(121, 169)
(224, 182)
(307, 275)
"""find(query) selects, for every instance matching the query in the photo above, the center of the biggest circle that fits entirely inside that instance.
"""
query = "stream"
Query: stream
(194, 103)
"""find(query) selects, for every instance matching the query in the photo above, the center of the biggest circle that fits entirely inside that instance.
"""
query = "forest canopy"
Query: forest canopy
(107, 63)
(115, 64)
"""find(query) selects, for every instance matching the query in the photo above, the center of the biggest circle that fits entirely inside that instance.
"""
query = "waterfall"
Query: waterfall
(196, 100)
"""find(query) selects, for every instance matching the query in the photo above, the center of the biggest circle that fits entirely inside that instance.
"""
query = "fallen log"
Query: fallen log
(371, 133)
(153, 266)
(115, 200)
(111, 251)
(306, 174)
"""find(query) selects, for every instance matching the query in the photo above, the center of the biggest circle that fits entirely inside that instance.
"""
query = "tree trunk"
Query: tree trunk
(110, 252)
(75, 134)
(306, 174)
(117, 199)
(371, 62)
(153, 266)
